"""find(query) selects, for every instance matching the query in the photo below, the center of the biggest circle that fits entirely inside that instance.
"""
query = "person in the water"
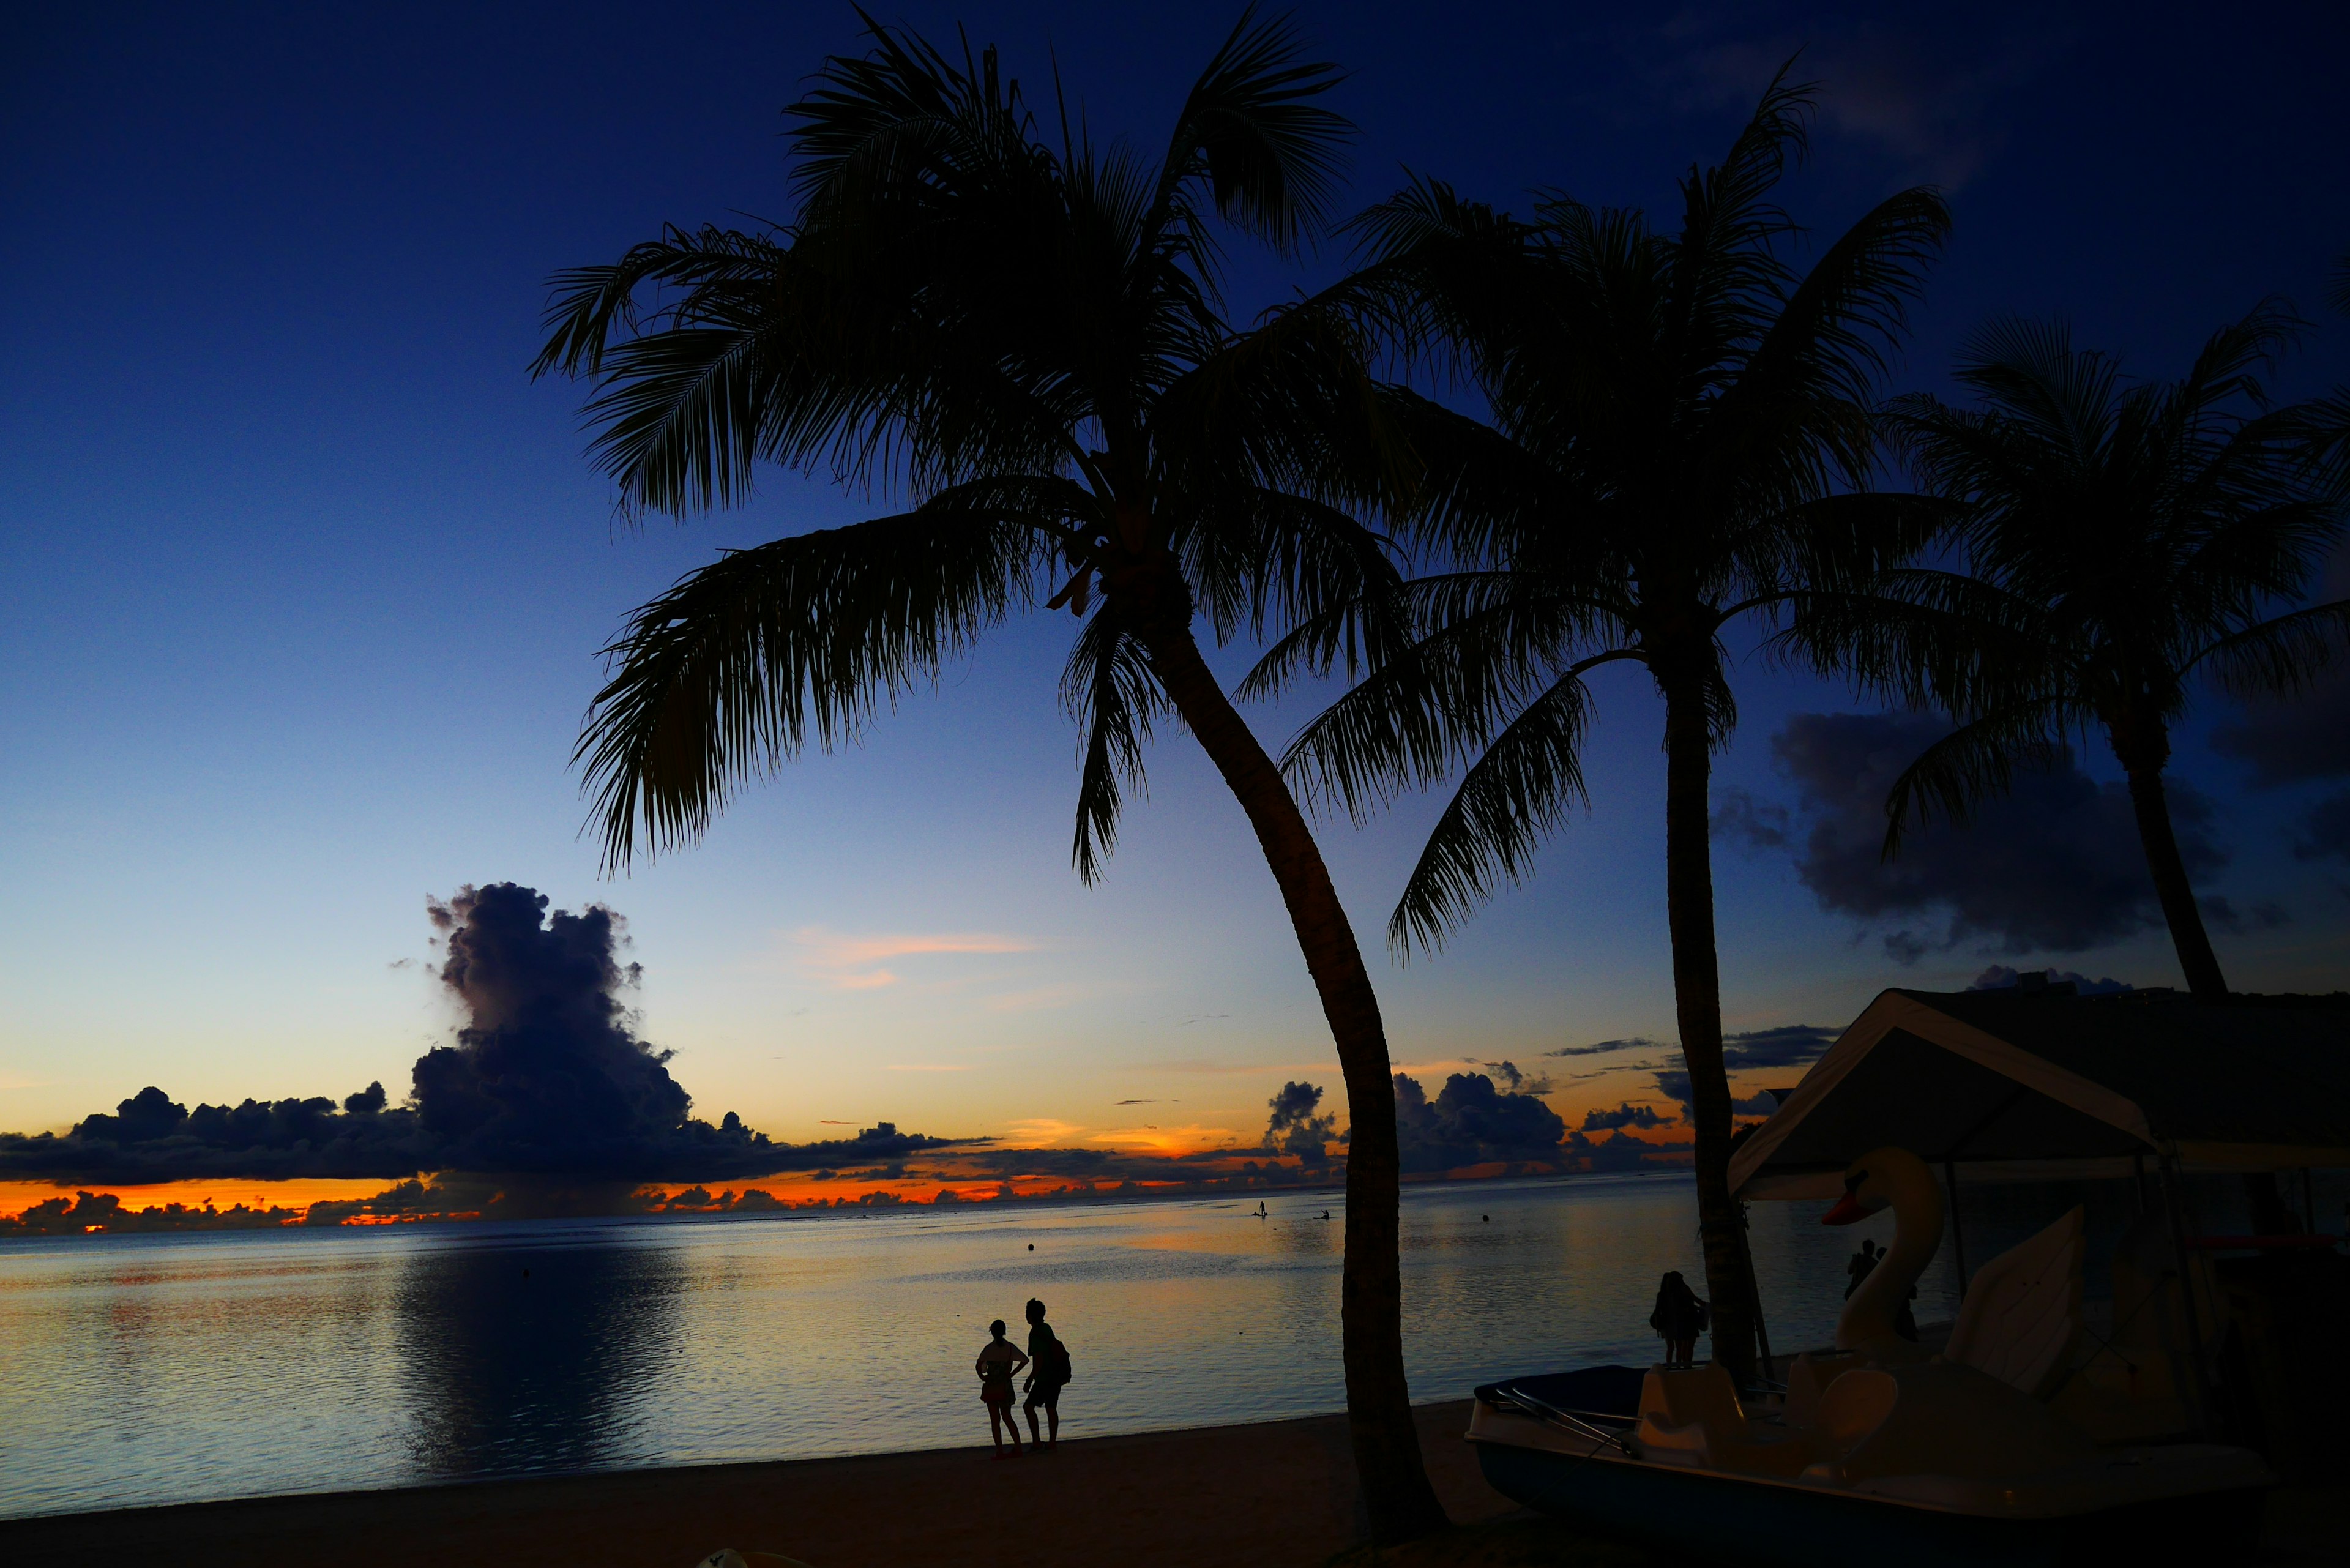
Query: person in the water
(999, 1362)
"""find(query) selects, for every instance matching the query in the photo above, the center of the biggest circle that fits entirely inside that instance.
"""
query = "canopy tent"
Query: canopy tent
(2023, 1085)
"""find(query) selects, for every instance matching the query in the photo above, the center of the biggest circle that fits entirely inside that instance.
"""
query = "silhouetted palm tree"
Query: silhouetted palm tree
(1028, 335)
(2121, 543)
(1680, 430)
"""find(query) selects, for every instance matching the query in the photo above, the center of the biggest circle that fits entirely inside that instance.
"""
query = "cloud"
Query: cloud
(1627, 1115)
(1673, 1082)
(1519, 1080)
(1999, 977)
(2053, 866)
(1930, 91)
(547, 1077)
(1750, 823)
(2293, 739)
(1294, 1129)
(855, 963)
(1471, 1123)
(1607, 1047)
(2325, 831)
(1788, 1045)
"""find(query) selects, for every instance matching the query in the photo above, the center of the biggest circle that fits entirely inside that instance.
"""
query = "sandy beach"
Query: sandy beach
(1279, 1493)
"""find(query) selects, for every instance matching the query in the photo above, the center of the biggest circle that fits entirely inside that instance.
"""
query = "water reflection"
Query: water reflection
(541, 1357)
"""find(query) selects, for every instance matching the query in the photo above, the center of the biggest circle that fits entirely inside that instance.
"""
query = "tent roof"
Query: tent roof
(2024, 1078)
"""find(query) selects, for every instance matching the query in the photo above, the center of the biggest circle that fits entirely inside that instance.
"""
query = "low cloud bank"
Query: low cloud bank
(548, 1077)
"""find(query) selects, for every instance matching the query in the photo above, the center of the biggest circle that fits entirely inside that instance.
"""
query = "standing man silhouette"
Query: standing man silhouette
(1863, 1263)
(1049, 1371)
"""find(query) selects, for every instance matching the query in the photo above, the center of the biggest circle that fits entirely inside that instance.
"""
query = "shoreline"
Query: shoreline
(1276, 1492)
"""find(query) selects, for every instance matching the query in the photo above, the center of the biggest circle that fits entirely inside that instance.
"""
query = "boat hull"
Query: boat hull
(1733, 1519)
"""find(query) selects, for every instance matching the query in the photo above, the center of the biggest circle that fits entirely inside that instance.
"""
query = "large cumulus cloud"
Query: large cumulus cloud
(2052, 866)
(1470, 1122)
(547, 1077)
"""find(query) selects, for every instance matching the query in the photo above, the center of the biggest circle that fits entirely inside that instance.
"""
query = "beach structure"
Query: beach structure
(2039, 1426)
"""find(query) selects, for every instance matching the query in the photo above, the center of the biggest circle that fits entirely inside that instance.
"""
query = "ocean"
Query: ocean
(155, 1369)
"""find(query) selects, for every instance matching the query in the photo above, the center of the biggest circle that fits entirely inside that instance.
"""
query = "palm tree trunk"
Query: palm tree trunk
(2204, 980)
(1396, 1490)
(1697, 1002)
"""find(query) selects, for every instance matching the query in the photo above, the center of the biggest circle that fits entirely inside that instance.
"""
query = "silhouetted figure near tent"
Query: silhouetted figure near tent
(1863, 1262)
(997, 1365)
(1679, 1318)
(1048, 1373)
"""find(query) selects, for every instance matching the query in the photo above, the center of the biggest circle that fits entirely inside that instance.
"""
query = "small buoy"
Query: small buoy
(1032, 1246)
(1488, 1219)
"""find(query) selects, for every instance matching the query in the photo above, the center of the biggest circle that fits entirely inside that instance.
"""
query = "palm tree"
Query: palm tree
(1028, 337)
(1680, 430)
(2122, 542)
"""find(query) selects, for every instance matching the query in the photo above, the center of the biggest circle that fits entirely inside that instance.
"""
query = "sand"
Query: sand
(1280, 1493)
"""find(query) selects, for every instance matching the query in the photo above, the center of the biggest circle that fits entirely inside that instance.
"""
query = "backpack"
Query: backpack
(1055, 1360)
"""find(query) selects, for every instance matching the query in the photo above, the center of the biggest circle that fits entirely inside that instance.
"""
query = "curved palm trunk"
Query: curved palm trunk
(1396, 1490)
(2152, 804)
(1697, 1003)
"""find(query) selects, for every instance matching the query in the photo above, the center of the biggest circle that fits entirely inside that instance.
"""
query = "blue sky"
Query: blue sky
(303, 580)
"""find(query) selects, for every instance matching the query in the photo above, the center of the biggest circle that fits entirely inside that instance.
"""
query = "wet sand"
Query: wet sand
(1278, 1493)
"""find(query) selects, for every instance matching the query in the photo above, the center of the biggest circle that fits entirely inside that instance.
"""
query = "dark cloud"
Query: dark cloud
(1294, 1129)
(1673, 1082)
(1520, 1081)
(2326, 831)
(1788, 1045)
(2053, 866)
(1627, 1115)
(2296, 739)
(1471, 1123)
(1750, 823)
(547, 1077)
(1607, 1047)
(1932, 95)
(2222, 913)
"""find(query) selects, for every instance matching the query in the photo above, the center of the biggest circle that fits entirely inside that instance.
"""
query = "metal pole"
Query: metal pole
(1958, 1231)
(2203, 1390)
(1753, 1290)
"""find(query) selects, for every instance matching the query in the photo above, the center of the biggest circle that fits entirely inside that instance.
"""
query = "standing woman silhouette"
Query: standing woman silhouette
(997, 1364)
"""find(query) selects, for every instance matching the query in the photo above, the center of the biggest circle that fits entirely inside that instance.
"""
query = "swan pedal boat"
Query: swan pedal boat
(1877, 1451)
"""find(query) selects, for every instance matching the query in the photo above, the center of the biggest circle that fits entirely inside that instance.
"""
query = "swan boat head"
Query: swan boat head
(1898, 1179)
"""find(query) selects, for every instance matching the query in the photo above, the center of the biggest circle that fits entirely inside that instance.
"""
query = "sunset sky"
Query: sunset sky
(303, 580)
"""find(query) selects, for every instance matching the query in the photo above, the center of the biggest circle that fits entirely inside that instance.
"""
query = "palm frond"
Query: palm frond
(1270, 155)
(1509, 801)
(2283, 654)
(1108, 687)
(1973, 763)
(735, 668)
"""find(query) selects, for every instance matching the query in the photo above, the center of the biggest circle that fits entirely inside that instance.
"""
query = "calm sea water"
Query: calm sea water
(169, 1369)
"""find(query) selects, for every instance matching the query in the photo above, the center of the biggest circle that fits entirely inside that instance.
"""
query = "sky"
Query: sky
(303, 579)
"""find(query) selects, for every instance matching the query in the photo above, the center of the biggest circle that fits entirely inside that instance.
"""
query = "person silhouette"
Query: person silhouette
(1679, 1318)
(1048, 1373)
(1863, 1263)
(998, 1361)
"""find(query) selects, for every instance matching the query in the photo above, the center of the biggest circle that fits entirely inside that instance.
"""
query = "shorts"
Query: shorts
(1044, 1397)
(992, 1392)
